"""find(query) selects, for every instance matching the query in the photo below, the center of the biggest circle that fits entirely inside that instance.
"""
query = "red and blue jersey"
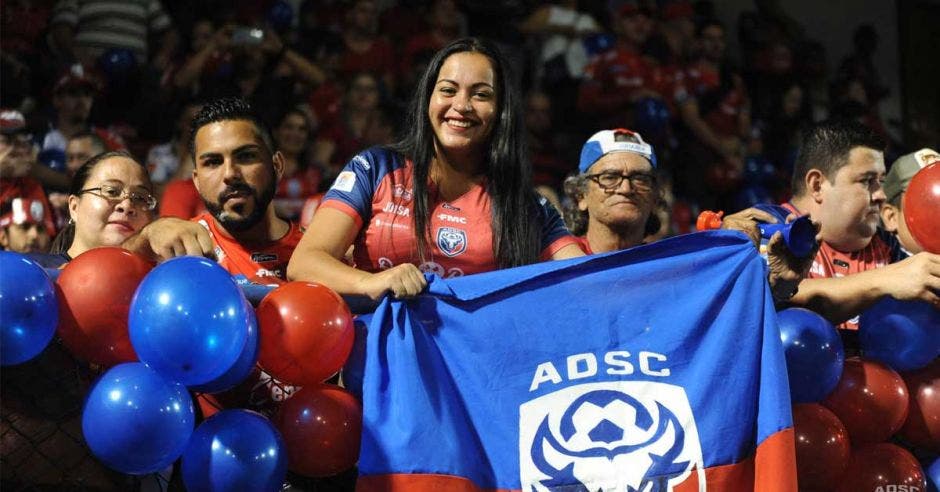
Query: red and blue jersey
(375, 189)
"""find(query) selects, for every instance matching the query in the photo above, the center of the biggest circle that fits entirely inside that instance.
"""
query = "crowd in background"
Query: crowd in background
(332, 78)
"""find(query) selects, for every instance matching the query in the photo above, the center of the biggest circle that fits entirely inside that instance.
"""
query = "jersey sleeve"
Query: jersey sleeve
(354, 187)
(554, 233)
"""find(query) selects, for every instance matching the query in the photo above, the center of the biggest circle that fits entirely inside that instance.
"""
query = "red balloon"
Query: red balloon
(822, 446)
(922, 427)
(921, 205)
(306, 333)
(870, 400)
(322, 426)
(95, 292)
(882, 465)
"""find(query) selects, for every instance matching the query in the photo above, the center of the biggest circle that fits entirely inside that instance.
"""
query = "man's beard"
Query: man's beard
(235, 224)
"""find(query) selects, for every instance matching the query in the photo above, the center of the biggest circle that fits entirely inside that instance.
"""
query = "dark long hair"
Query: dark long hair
(63, 240)
(515, 213)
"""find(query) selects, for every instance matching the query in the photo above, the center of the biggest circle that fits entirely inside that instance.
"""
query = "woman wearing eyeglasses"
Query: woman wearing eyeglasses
(110, 199)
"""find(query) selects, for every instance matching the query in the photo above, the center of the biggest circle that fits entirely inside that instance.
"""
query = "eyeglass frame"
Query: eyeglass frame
(126, 193)
(629, 177)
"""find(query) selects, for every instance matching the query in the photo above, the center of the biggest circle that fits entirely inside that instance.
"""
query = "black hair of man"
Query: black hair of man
(229, 109)
(826, 147)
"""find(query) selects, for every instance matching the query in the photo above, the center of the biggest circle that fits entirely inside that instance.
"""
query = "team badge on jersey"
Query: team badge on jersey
(451, 241)
(619, 435)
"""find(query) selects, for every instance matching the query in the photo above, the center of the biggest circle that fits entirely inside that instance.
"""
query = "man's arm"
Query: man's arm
(170, 237)
(839, 299)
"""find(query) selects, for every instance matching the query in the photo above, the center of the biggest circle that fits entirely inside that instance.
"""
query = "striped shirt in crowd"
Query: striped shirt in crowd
(103, 24)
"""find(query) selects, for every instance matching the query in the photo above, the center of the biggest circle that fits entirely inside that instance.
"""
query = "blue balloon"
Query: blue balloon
(135, 421)
(29, 312)
(189, 321)
(243, 366)
(905, 335)
(235, 450)
(814, 354)
(933, 475)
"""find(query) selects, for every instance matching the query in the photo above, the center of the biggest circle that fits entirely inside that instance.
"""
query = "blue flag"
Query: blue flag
(655, 368)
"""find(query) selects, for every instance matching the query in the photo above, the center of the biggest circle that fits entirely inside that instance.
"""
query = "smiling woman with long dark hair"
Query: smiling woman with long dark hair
(454, 196)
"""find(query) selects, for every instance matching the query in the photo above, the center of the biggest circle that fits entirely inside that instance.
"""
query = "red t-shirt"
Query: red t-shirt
(180, 199)
(293, 191)
(378, 59)
(832, 263)
(617, 72)
(259, 391)
(702, 81)
(375, 189)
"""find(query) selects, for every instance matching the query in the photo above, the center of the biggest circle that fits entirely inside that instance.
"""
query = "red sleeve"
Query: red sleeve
(180, 199)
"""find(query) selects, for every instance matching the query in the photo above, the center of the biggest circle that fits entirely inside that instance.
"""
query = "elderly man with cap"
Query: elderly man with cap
(615, 197)
(892, 213)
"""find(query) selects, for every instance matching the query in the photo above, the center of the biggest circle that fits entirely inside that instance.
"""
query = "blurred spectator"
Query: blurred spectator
(896, 181)
(23, 227)
(17, 157)
(164, 160)
(208, 50)
(365, 49)
(301, 178)
(562, 31)
(860, 64)
(84, 29)
(72, 98)
(444, 23)
(179, 197)
(362, 124)
(615, 79)
(716, 114)
(263, 72)
(81, 147)
(789, 115)
(549, 163)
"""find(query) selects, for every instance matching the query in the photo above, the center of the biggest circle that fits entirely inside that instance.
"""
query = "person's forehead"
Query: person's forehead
(226, 136)
(621, 161)
(119, 169)
(864, 160)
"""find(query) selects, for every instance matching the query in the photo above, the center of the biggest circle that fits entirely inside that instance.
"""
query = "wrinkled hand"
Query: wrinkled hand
(746, 222)
(787, 269)
(171, 237)
(915, 278)
(402, 281)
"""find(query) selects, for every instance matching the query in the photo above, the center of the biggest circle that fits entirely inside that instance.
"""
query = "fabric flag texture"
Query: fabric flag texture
(652, 369)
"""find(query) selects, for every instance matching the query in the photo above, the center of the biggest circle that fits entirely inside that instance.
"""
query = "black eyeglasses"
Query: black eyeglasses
(611, 181)
(116, 193)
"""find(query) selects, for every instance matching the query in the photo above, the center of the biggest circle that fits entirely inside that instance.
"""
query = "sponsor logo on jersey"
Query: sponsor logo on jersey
(260, 257)
(346, 181)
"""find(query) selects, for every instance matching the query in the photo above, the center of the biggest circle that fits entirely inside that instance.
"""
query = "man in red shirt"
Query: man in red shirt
(236, 174)
(838, 180)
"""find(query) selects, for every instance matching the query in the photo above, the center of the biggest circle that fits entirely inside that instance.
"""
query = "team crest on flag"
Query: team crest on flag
(451, 241)
(621, 435)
